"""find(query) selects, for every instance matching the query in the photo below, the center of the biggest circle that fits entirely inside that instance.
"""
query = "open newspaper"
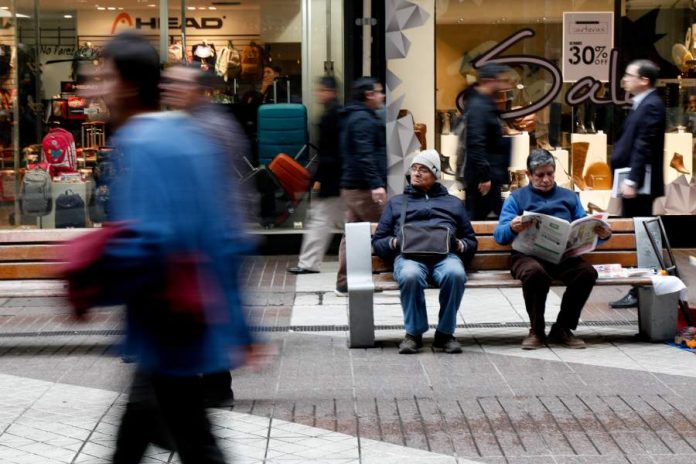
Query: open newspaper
(553, 239)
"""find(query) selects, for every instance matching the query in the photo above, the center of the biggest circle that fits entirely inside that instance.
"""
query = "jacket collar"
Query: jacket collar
(436, 190)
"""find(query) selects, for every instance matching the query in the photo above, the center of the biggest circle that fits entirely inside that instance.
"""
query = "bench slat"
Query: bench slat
(617, 242)
(42, 252)
(617, 225)
(40, 235)
(10, 271)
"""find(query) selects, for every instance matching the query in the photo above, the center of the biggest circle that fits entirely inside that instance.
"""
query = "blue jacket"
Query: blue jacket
(436, 207)
(174, 191)
(363, 148)
(559, 202)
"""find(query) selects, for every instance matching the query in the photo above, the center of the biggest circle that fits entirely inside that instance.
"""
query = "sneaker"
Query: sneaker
(301, 270)
(341, 292)
(566, 338)
(411, 344)
(532, 341)
(629, 300)
(447, 343)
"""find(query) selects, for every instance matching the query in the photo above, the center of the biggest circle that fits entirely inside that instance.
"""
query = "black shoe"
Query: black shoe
(446, 343)
(301, 270)
(629, 300)
(411, 344)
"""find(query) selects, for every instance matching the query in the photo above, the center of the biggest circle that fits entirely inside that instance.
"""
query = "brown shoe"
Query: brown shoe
(566, 338)
(677, 163)
(532, 341)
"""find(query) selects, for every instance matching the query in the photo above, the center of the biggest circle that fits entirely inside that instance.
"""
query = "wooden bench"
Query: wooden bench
(29, 260)
(490, 268)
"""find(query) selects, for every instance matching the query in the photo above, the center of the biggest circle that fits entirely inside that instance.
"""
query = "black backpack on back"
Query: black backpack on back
(70, 210)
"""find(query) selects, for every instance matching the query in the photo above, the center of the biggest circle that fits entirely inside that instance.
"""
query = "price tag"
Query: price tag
(588, 38)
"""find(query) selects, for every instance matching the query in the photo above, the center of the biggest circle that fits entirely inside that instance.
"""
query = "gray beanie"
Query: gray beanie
(430, 159)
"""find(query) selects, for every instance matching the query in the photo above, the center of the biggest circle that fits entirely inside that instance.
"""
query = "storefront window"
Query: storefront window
(255, 47)
(588, 44)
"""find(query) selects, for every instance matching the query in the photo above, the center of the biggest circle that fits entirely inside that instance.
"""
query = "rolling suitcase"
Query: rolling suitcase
(292, 176)
(282, 128)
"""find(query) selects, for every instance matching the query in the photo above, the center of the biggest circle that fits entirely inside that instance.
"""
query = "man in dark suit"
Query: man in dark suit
(641, 146)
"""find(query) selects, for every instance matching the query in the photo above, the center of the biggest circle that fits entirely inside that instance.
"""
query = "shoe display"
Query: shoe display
(578, 155)
(598, 176)
(592, 208)
(420, 130)
(677, 163)
(445, 121)
(629, 300)
(532, 341)
(447, 343)
(301, 270)
(411, 344)
(565, 337)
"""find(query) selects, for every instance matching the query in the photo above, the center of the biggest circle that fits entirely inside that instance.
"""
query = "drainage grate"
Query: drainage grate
(314, 328)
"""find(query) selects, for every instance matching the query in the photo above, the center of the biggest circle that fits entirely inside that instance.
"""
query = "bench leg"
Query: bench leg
(657, 314)
(361, 322)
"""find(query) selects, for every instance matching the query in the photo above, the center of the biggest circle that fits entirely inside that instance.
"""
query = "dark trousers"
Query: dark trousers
(641, 205)
(478, 206)
(536, 275)
(169, 412)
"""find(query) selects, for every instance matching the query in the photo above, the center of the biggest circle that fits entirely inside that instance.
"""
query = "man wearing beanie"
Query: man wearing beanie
(427, 203)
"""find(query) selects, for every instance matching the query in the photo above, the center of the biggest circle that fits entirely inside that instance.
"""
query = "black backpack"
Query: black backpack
(70, 210)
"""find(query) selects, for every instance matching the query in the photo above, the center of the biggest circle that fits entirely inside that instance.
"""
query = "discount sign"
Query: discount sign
(588, 38)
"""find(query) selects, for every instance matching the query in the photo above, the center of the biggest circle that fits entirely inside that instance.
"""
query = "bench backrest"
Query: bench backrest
(620, 248)
(33, 254)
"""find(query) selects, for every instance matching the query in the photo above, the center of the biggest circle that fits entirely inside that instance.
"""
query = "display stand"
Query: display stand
(682, 143)
(519, 151)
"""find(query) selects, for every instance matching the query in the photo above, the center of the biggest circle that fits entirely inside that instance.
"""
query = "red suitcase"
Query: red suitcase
(294, 178)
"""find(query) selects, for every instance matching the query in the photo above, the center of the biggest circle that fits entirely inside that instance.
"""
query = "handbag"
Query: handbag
(424, 243)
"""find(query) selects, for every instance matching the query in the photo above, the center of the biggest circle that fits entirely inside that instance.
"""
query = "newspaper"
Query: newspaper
(553, 239)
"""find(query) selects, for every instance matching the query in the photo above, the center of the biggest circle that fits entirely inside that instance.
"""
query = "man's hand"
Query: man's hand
(484, 187)
(627, 191)
(518, 226)
(603, 232)
(379, 195)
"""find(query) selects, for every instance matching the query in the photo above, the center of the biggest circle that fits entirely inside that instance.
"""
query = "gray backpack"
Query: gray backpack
(36, 193)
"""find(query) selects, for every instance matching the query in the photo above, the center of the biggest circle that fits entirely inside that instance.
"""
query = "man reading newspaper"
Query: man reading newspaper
(557, 257)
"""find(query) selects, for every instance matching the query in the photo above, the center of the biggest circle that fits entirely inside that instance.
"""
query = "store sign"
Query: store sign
(153, 23)
(101, 23)
(586, 88)
(588, 38)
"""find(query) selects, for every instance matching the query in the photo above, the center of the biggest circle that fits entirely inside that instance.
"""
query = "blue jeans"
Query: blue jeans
(412, 276)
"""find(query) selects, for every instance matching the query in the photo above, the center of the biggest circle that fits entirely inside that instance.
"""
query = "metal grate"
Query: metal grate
(312, 328)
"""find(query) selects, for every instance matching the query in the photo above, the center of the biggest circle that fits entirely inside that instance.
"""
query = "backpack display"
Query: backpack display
(58, 150)
(99, 204)
(252, 63)
(5, 60)
(35, 194)
(70, 210)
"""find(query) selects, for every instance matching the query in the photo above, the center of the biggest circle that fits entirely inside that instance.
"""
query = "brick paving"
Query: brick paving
(619, 401)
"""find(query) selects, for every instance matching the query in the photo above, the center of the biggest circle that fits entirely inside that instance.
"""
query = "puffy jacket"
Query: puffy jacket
(436, 207)
(363, 148)
(487, 152)
(329, 171)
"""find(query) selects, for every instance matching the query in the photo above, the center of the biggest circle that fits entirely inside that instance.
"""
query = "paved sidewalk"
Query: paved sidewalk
(619, 401)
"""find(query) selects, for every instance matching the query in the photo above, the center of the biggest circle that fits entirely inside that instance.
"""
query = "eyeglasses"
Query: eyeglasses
(633, 75)
(420, 169)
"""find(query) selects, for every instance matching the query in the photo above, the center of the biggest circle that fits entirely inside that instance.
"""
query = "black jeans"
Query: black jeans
(639, 206)
(479, 206)
(167, 411)
(536, 275)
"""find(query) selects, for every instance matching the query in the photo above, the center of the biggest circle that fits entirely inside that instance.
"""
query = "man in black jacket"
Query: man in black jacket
(640, 147)
(429, 204)
(487, 154)
(364, 151)
(327, 211)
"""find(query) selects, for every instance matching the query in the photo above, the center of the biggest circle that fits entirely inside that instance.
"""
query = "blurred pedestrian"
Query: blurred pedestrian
(178, 264)
(327, 210)
(487, 153)
(364, 152)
